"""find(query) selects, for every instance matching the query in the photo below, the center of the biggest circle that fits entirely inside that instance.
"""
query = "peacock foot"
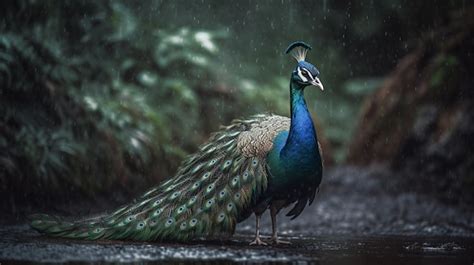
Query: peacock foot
(258, 242)
(277, 241)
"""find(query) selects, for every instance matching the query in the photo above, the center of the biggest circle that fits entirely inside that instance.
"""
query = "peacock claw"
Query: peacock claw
(257, 242)
(277, 241)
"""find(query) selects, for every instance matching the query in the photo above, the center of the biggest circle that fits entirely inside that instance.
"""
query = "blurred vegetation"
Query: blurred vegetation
(96, 94)
(85, 106)
(421, 118)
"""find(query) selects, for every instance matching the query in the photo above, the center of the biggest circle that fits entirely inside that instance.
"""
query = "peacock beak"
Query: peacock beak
(317, 82)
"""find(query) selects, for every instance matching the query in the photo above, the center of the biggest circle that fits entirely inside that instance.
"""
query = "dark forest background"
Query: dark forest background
(101, 99)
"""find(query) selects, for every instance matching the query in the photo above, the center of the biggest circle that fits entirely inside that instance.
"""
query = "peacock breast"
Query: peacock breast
(301, 168)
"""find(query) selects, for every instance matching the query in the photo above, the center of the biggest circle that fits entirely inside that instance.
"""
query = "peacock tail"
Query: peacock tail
(212, 190)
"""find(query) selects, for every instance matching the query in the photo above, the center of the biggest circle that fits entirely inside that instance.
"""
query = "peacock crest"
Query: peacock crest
(298, 50)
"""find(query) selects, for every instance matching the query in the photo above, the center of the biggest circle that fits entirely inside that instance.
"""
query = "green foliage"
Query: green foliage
(106, 100)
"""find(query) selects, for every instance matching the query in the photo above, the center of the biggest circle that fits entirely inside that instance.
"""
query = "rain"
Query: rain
(123, 115)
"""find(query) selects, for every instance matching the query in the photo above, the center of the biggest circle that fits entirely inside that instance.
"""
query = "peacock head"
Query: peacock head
(305, 74)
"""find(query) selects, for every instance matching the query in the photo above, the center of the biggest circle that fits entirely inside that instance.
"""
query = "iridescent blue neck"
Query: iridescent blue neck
(302, 142)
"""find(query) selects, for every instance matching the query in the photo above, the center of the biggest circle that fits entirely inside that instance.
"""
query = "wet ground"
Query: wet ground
(356, 219)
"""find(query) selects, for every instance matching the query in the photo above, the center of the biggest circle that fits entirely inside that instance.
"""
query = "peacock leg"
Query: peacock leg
(275, 240)
(257, 240)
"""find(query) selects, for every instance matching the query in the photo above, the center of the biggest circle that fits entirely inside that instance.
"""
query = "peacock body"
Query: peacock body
(265, 162)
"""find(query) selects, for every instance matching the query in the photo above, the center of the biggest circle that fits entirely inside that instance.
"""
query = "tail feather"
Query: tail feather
(204, 200)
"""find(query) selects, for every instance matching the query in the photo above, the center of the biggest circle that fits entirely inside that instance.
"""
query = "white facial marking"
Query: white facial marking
(300, 74)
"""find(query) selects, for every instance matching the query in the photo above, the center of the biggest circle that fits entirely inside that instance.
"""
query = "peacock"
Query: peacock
(263, 162)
